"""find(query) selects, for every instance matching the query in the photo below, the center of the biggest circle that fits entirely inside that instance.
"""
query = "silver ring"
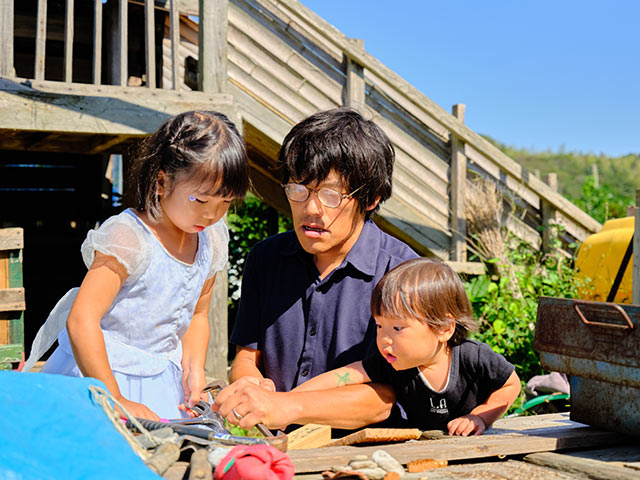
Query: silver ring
(238, 416)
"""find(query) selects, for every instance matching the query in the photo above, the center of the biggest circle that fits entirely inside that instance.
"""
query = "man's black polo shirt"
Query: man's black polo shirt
(303, 325)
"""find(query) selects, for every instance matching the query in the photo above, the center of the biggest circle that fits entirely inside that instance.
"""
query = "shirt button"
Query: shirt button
(305, 372)
(312, 332)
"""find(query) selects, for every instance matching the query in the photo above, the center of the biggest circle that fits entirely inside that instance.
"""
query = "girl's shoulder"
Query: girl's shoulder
(217, 236)
(122, 236)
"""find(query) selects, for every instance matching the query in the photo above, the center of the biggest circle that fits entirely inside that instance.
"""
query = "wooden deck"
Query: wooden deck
(536, 447)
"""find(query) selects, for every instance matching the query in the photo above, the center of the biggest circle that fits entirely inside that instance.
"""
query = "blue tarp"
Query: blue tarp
(50, 428)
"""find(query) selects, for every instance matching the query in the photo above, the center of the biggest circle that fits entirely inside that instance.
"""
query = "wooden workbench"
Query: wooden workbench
(529, 448)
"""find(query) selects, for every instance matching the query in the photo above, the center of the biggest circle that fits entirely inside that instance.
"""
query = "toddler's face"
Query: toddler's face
(408, 342)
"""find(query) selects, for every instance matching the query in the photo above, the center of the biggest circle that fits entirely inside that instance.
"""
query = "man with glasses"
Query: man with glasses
(304, 306)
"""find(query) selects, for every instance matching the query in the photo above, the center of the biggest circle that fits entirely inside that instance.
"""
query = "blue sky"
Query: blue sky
(562, 74)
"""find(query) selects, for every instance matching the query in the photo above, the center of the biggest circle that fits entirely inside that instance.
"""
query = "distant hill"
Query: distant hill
(617, 177)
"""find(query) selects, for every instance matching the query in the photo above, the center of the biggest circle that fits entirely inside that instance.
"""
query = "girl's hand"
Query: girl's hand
(193, 382)
(138, 409)
(466, 425)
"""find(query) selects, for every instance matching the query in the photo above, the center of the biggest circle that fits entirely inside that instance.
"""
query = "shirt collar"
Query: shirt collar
(363, 255)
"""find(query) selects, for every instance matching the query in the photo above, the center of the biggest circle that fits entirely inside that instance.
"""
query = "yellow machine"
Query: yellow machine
(600, 259)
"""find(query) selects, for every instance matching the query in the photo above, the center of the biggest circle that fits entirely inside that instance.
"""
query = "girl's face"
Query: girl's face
(189, 206)
(408, 343)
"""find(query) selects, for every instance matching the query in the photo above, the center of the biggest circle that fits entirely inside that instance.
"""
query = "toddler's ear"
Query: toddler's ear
(447, 331)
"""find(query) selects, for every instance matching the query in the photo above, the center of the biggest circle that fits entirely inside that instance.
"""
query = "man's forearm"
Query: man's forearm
(351, 406)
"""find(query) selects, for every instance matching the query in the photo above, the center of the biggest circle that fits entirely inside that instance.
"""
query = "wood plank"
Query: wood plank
(458, 182)
(311, 435)
(595, 469)
(218, 348)
(41, 39)
(462, 448)
(355, 92)
(68, 41)
(97, 42)
(104, 110)
(6, 37)
(212, 46)
(510, 469)
(174, 33)
(150, 43)
(121, 58)
(11, 239)
(12, 299)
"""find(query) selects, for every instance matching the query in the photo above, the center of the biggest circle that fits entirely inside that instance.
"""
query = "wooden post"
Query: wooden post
(355, 88)
(212, 46)
(150, 42)
(6, 37)
(121, 58)
(174, 32)
(97, 42)
(635, 288)
(41, 39)
(549, 214)
(458, 180)
(68, 42)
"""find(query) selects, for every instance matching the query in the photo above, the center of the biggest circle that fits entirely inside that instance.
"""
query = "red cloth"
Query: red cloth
(254, 462)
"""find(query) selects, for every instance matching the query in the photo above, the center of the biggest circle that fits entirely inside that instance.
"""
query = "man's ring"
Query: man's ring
(238, 416)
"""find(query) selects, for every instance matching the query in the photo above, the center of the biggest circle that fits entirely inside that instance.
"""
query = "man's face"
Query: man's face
(327, 233)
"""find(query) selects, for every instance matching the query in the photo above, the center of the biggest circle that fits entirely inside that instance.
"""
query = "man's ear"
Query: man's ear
(373, 205)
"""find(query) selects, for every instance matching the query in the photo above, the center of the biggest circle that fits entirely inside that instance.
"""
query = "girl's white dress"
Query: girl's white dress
(144, 326)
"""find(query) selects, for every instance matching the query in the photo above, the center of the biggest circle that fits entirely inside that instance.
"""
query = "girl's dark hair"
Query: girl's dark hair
(341, 140)
(428, 290)
(203, 145)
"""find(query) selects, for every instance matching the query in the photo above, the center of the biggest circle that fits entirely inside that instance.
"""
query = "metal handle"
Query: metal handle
(629, 326)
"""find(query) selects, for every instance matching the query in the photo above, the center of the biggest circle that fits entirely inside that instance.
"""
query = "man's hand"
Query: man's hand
(466, 425)
(250, 400)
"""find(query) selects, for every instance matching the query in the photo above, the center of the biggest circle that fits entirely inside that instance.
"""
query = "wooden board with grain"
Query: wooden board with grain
(377, 435)
(512, 436)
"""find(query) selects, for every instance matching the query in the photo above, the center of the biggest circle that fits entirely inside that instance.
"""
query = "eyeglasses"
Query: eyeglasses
(296, 192)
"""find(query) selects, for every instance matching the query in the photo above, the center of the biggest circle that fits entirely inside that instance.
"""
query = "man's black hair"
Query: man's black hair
(342, 140)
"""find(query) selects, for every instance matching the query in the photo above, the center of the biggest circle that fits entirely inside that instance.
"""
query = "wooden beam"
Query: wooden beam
(121, 58)
(107, 110)
(11, 299)
(68, 42)
(174, 32)
(11, 238)
(212, 46)
(458, 182)
(549, 215)
(355, 88)
(97, 42)
(41, 39)
(150, 43)
(215, 366)
(6, 38)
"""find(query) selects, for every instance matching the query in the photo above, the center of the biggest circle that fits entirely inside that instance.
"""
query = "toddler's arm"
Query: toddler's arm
(483, 416)
(352, 373)
(96, 294)
(194, 347)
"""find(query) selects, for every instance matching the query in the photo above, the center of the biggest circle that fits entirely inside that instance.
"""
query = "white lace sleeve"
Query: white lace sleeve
(218, 235)
(120, 237)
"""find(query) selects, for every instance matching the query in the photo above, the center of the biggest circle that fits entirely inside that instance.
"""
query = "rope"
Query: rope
(102, 398)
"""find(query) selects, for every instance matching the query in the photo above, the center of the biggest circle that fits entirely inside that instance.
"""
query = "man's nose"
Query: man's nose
(312, 204)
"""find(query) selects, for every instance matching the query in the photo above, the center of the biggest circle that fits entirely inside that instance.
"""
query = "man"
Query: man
(304, 306)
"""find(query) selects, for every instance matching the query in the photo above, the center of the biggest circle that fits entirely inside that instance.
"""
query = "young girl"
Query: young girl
(442, 380)
(138, 322)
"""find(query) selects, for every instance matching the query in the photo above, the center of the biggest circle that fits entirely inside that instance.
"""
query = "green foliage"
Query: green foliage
(618, 177)
(507, 315)
(601, 202)
(249, 222)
